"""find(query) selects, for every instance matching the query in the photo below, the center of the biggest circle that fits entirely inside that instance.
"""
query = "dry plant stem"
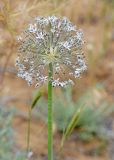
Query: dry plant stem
(6, 64)
(50, 115)
(29, 129)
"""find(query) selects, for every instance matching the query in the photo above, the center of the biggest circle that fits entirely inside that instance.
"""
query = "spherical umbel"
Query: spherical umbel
(53, 40)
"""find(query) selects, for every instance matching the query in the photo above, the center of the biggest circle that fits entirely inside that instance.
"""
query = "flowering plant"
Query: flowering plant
(50, 49)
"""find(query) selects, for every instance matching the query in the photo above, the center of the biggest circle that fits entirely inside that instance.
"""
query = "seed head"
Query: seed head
(50, 40)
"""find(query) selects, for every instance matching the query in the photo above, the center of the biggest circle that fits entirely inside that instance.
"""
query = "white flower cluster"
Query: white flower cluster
(50, 40)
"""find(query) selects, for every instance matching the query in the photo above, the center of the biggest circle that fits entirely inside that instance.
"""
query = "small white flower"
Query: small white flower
(55, 82)
(79, 35)
(43, 78)
(77, 73)
(32, 28)
(51, 40)
(19, 38)
(39, 35)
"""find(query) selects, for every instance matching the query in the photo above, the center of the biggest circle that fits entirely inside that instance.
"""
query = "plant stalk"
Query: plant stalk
(50, 114)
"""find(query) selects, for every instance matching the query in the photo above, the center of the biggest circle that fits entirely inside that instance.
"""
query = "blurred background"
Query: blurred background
(93, 136)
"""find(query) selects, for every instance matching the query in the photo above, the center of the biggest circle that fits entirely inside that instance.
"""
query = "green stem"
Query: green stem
(50, 115)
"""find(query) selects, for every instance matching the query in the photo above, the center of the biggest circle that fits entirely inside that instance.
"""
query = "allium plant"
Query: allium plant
(50, 50)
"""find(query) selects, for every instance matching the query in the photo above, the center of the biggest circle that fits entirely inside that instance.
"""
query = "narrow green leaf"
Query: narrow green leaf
(71, 125)
(37, 96)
